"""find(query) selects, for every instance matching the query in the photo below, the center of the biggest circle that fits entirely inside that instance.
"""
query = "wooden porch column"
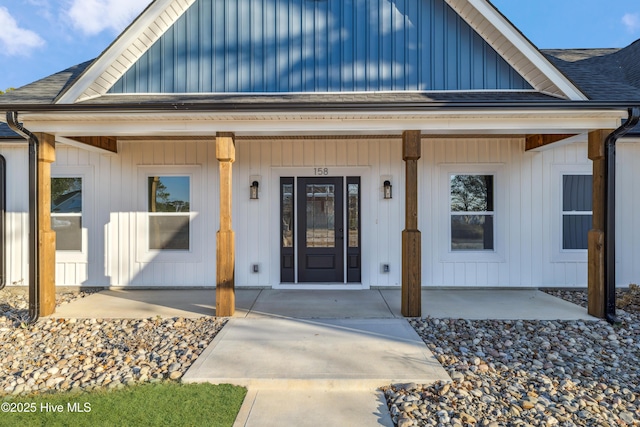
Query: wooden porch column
(225, 240)
(596, 287)
(47, 237)
(411, 240)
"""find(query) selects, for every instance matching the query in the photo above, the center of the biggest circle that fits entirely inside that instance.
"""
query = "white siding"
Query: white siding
(628, 214)
(114, 234)
(526, 225)
(17, 214)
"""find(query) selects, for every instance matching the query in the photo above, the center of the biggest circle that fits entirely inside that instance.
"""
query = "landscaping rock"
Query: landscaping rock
(65, 354)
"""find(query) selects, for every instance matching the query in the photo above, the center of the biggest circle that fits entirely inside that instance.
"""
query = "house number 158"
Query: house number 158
(321, 171)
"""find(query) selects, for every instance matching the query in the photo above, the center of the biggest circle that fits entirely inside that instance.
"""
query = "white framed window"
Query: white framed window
(66, 212)
(471, 208)
(473, 199)
(577, 210)
(571, 212)
(169, 212)
(71, 212)
(169, 199)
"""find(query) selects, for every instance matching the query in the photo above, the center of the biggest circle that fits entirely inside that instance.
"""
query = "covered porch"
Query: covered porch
(406, 152)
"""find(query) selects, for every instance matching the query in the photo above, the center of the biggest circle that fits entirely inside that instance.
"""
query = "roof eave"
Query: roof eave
(319, 106)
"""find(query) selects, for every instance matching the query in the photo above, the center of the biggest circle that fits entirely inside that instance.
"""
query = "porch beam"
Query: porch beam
(533, 142)
(47, 237)
(225, 239)
(106, 143)
(411, 305)
(595, 242)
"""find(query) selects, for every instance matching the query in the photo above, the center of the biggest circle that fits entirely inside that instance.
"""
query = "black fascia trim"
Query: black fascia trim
(319, 106)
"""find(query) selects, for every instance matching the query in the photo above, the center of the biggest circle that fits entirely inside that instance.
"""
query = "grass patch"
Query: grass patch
(161, 404)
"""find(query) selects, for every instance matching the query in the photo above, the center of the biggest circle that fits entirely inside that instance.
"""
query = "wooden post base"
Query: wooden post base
(225, 281)
(411, 273)
(47, 295)
(596, 293)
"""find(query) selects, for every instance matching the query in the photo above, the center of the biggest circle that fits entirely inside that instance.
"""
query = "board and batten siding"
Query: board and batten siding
(318, 46)
(527, 218)
(523, 214)
(17, 214)
(114, 215)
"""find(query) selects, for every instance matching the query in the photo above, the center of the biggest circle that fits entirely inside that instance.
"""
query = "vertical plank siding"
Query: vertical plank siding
(17, 215)
(526, 220)
(318, 46)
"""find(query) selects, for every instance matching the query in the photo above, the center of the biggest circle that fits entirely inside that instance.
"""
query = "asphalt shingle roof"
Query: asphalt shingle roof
(44, 91)
(602, 74)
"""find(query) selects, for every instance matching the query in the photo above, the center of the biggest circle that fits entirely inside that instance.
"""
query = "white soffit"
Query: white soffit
(195, 124)
(515, 48)
(125, 50)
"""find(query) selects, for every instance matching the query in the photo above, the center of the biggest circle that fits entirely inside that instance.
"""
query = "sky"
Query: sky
(41, 37)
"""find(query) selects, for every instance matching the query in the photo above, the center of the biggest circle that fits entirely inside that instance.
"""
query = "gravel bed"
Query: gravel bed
(73, 354)
(527, 373)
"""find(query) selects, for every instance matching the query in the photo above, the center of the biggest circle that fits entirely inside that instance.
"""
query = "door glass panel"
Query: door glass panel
(287, 215)
(320, 230)
(354, 214)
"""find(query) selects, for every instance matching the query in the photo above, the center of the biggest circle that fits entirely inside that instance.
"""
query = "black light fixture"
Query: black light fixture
(253, 193)
(387, 189)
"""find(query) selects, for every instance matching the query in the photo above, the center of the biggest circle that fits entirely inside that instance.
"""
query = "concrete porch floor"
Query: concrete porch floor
(469, 304)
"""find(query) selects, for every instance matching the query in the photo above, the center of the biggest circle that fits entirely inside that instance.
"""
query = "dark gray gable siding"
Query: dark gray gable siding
(319, 46)
(7, 133)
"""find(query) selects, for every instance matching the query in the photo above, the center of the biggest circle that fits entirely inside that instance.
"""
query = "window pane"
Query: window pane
(576, 193)
(169, 232)
(471, 232)
(66, 198)
(320, 216)
(354, 214)
(287, 215)
(169, 194)
(66, 195)
(574, 231)
(68, 232)
(472, 193)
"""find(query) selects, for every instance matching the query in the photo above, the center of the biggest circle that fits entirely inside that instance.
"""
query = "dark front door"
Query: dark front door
(320, 229)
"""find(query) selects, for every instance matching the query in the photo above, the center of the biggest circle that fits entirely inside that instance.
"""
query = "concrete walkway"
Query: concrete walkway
(315, 372)
(311, 358)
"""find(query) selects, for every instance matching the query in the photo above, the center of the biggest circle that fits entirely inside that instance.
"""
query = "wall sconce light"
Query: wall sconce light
(253, 190)
(387, 189)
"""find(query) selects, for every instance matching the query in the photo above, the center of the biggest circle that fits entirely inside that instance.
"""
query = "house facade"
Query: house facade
(323, 145)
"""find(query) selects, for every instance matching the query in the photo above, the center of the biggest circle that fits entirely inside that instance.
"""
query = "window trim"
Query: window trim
(143, 253)
(559, 254)
(85, 173)
(500, 202)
